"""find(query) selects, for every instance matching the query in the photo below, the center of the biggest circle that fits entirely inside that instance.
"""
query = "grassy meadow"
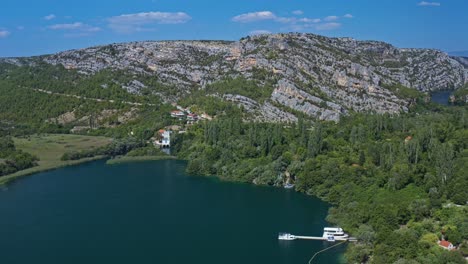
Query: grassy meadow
(50, 148)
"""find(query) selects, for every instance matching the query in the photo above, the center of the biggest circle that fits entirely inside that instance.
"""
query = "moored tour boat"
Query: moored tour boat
(334, 233)
(286, 236)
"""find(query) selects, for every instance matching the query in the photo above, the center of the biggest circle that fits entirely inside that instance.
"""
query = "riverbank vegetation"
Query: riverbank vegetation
(13, 159)
(461, 95)
(45, 152)
(397, 182)
(131, 159)
(35, 153)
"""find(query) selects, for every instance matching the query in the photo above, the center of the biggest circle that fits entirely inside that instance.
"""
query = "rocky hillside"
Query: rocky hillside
(319, 76)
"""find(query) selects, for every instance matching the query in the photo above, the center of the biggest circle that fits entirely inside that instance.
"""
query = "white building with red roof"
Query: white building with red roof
(446, 244)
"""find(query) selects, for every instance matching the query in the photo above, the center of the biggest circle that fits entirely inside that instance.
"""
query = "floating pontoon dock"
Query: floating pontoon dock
(351, 239)
(285, 236)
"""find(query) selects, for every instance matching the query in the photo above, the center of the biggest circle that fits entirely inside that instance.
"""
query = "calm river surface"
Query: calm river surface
(441, 97)
(153, 212)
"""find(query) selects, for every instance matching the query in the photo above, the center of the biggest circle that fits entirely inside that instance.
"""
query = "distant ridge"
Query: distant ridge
(463, 53)
(273, 76)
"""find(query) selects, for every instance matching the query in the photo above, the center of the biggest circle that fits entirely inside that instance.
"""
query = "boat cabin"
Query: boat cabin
(336, 232)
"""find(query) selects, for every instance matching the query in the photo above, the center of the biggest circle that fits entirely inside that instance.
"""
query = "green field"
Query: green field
(50, 148)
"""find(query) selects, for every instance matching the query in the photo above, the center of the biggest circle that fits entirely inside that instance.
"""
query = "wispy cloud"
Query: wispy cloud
(259, 32)
(318, 27)
(424, 3)
(4, 33)
(50, 17)
(331, 18)
(292, 23)
(129, 23)
(310, 20)
(254, 16)
(77, 29)
(75, 26)
(328, 26)
(268, 15)
(297, 12)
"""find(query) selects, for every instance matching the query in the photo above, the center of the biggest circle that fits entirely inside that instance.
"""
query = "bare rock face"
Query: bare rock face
(287, 94)
(319, 76)
(265, 112)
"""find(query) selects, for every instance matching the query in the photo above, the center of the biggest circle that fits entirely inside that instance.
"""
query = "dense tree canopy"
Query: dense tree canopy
(13, 160)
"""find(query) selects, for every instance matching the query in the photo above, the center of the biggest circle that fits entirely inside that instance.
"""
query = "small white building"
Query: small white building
(192, 117)
(164, 140)
(177, 114)
(447, 245)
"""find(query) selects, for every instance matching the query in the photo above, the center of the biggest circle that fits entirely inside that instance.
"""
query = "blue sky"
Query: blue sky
(33, 27)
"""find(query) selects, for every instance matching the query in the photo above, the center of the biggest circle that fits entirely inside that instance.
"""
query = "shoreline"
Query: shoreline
(118, 160)
(37, 169)
(127, 159)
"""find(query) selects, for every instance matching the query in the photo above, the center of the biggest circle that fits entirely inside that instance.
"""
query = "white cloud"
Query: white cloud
(268, 15)
(72, 26)
(128, 23)
(298, 12)
(310, 20)
(259, 32)
(50, 17)
(328, 26)
(77, 26)
(254, 16)
(331, 18)
(286, 20)
(4, 33)
(292, 23)
(424, 3)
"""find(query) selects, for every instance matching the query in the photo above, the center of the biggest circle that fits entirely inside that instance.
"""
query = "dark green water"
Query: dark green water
(153, 212)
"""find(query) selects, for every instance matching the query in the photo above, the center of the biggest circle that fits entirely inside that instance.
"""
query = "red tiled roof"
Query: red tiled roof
(444, 243)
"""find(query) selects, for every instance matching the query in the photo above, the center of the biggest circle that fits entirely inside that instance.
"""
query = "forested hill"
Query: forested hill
(273, 77)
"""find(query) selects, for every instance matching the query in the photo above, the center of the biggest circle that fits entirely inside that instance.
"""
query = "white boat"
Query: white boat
(289, 186)
(286, 236)
(332, 233)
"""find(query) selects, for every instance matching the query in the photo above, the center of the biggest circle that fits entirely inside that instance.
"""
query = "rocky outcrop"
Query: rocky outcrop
(319, 76)
(265, 112)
